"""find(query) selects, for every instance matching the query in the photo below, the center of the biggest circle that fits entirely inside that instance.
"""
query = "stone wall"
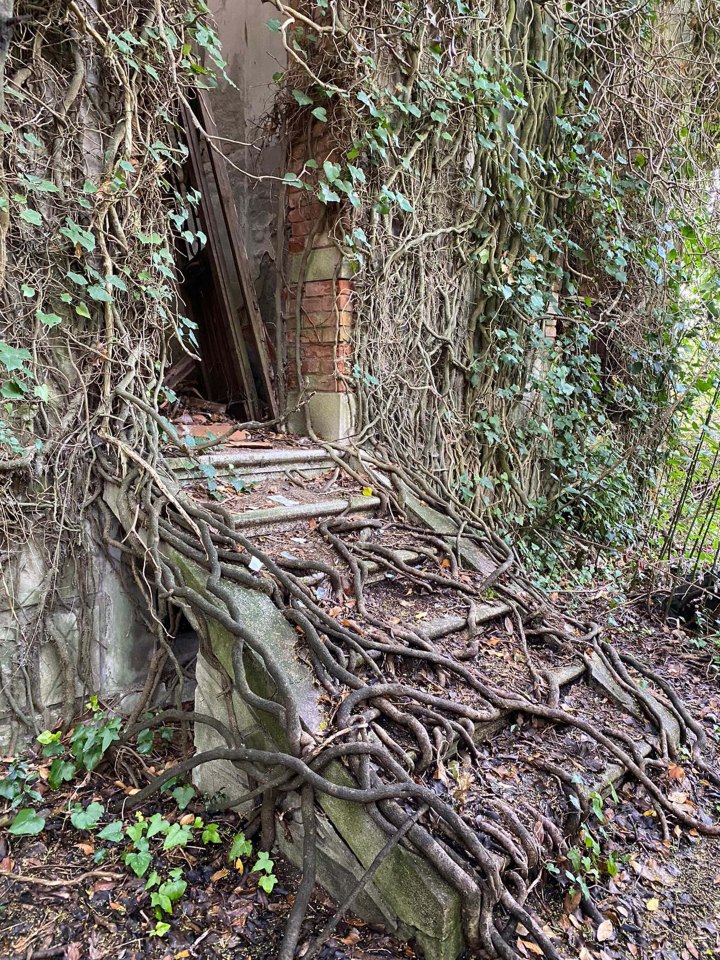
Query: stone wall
(41, 654)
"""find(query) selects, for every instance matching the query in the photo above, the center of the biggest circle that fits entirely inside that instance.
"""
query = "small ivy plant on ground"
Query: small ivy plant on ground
(144, 843)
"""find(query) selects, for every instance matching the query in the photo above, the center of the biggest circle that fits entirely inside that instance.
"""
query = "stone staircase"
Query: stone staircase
(277, 498)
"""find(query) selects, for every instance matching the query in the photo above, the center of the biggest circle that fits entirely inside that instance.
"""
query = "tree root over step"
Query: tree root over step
(388, 732)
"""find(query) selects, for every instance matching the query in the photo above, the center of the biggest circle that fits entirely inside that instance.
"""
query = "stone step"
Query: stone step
(277, 518)
(452, 623)
(254, 466)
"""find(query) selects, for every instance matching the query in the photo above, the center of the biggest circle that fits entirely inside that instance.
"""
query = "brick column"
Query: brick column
(325, 293)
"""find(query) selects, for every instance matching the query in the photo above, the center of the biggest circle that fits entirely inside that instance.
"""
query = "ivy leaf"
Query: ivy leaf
(32, 139)
(99, 293)
(77, 235)
(27, 823)
(77, 278)
(357, 174)
(27, 290)
(157, 824)
(158, 899)
(267, 883)
(302, 99)
(87, 819)
(331, 170)
(263, 862)
(13, 390)
(241, 847)
(327, 195)
(11, 358)
(211, 834)
(31, 216)
(42, 392)
(116, 282)
(113, 832)
(177, 836)
(320, 113)
(173, 889)
(49, 319)
(183, 796)
(39, 184)
(82, 311)
(138, 863)
(292, 180)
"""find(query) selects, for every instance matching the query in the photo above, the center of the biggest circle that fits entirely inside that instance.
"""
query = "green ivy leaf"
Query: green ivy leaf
(99, 293)
(241, 847)
(138, 863)
(39, 184)
(81, 310)
(320, 113)
(183, 795)
(87, 819)
(267, 883)
(49, 319)
(42, 392)
(31, 216)
(263, 862)
(177, 836)
(326, 194)
(12, 358)
(77, 235)
(211, 834)
(293, 180)
(27, 290)
(302, 99)
(157, 824)
(77, 278)
(27, 823)
(113, 832)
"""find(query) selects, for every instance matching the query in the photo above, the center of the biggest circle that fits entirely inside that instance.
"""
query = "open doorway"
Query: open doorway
(236, 371)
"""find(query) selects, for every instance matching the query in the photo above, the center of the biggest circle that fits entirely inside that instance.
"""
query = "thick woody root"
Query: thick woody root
(402, 704)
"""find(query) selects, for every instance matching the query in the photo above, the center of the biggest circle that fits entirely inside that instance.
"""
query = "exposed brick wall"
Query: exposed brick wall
(326, 294)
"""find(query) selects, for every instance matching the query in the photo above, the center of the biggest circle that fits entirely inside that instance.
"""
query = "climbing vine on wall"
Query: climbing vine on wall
(515, 182)
(88, 300)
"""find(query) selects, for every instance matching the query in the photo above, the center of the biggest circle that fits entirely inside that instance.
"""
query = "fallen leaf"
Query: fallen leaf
(220, 874)
(675, 772)
(72, 951)
(87, 848)
(187, 819)
(652, 904)
(604, 931)
(677, 797)
(532, 947)
(351, 938)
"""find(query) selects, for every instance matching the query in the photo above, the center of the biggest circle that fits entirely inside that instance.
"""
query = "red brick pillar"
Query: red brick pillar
(319, 276)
